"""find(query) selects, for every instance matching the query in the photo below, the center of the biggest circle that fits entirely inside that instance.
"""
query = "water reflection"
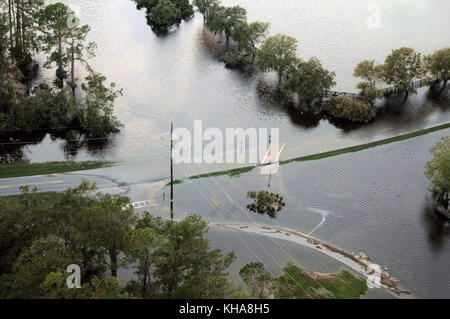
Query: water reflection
(175, 76)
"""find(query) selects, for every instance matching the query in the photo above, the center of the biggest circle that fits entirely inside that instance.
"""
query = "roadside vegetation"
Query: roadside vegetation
(18, 170)
(41, 234)
(299, 283)
(352, 149)
(438, 169)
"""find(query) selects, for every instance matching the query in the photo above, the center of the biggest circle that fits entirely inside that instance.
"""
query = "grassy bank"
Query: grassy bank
(361, 147)
(305, 284)
(19, 170)
(238, 171)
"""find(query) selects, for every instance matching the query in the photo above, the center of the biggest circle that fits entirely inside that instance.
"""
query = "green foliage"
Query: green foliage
(225, 19)
(54, 287)
(257, 279)
(309, 80)
(215, 19)
(371, 75)
(78, 226)
(301, 284)
(175, 261)
(56, 110)
(249, 36)
(438, 169)
(53, 21)
(231, 59)
(438, 64)
(23, 221)
(29, 270)
(401, 67)
(185, 258)
(205, 5)
(165, 13)
(278, 53)
(185, 8)
(348, 108)
(97, 117)
(266, 203)
(232, 17)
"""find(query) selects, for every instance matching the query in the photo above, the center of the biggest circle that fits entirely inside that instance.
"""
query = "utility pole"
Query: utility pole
(171, 170)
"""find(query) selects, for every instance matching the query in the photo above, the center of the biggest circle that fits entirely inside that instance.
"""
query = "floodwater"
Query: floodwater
(273, 253)
(375, 201)
(175, 76)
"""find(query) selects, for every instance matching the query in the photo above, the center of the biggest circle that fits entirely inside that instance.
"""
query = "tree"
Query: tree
(249, 36)
(185, 8)
(23, 18)
(225, 19)
(438, 65)
(145, 238)
(32, 266)
(111, 218)
(204, 6)
(309, 80)
(215, 19)
(78, 49)
(97, 117)
(23, 220)
(401, 67)
(54, 22)
(165, 13)
(348, 108)
(371, 75)
(185, 258)
(438, 169)
(54, 287)
(257, 279)
(278, 53)
(232, 17)
(265, 203)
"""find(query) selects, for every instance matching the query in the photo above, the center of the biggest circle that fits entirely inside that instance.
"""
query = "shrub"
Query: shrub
(230, 59)
(348, 108)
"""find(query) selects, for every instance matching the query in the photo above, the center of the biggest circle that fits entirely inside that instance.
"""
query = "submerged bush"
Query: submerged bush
(265, 203)
(230, 59)
(348, 108)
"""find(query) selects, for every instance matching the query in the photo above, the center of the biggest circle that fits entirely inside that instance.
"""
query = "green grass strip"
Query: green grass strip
(238, 171)
(361, 147)
(20, 170)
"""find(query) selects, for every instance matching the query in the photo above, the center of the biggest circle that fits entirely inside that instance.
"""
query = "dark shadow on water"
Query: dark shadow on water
(437, 226)
(14, 145)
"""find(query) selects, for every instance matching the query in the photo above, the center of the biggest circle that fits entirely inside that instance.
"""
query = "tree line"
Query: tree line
(309, 79)
(28, 28)
(41, 234)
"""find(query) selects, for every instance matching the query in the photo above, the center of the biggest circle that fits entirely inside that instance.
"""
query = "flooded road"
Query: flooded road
(375, 201)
